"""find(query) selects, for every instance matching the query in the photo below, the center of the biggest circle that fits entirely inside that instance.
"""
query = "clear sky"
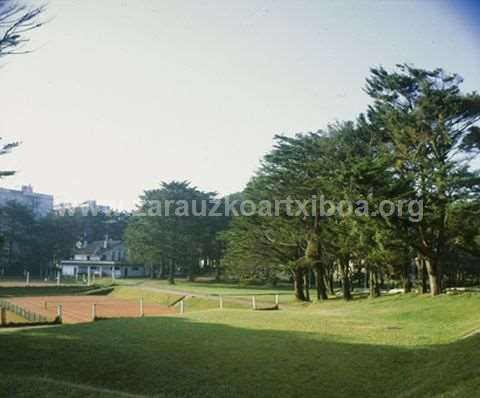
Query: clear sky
(120, 95)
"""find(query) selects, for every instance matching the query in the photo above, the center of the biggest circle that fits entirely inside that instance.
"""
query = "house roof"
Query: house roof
(97, 248)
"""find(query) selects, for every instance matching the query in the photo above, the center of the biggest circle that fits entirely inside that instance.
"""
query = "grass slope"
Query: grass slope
(402, 346)
(191, 304)
(6, 292)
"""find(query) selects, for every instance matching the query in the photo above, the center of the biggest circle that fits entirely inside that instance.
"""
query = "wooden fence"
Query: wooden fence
(30, 316)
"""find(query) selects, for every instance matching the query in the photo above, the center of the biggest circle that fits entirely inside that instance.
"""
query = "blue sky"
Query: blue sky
(120, 95)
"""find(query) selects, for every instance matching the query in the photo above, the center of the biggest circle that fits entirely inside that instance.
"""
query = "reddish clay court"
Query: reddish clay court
(78, 309)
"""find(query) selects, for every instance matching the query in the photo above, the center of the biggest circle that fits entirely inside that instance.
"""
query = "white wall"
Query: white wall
(68, 270)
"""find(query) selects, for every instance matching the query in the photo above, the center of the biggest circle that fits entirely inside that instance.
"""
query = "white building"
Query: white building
(41, 204)
(102, 258)
(84, 208)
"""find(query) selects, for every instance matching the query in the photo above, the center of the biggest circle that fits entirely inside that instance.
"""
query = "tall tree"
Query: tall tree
(172, 228)
(431, 127)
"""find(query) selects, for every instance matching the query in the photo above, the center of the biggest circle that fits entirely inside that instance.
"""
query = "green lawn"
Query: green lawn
(400, 346)
(212, 287)
(191, 304)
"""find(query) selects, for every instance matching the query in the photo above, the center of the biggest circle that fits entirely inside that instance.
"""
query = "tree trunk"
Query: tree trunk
(191, 270)
(373, 285)
(171, 273)
(422, 273)
(382, 279)
(320, 282)
(347, 294)
(331, 284)
(163, 270)
(307, 284)
(298, 284)
(434, 277)
(407, 282)
(346, 286)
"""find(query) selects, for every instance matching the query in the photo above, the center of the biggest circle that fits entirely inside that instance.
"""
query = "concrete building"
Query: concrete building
(40, 204)
(84, 208)
(102, 258)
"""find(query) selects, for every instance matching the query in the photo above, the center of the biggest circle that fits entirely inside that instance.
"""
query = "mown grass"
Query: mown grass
(233, 293)
(191, 303)
(223, 288)
(401, 346)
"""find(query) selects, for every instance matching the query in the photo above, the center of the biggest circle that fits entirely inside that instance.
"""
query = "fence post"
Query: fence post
(276, 299)
(94, 312)
(88, 276)
(182, 307)
(60, 312)
(27, 282)
(142, 313)
(58, 278)
(254, 303)
(113, 274)
(220, 302)
(3, 316)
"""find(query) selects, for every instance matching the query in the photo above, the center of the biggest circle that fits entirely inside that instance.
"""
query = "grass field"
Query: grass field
(191, 303)
(400, 346)
(213, 287)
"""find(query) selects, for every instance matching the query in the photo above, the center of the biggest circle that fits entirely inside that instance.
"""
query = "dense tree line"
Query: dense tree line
(411, 150)
(412, 145)
(37, 244)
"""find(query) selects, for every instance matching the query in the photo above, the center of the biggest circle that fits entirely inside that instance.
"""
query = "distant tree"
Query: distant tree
(34, 244)
(17, 225)
(172, 229)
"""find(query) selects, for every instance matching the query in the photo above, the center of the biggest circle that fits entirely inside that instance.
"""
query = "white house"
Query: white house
(102, 258)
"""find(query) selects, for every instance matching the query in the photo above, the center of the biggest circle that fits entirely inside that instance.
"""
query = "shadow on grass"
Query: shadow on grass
(44, 291)
(177, 357)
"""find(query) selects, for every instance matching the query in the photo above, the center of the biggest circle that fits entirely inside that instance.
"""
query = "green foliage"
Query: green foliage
(430, 126)
(37, 244)
(413, 145)
(166, 233)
